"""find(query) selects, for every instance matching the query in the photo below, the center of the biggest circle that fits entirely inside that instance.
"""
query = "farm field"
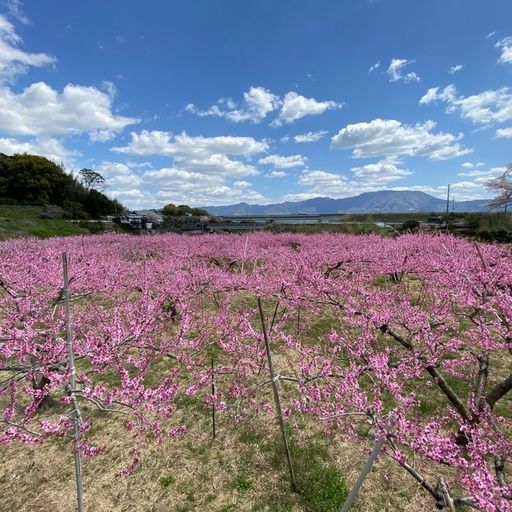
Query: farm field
(406, 339)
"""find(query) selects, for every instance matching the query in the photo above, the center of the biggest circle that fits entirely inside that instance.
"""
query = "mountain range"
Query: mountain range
(383, 201)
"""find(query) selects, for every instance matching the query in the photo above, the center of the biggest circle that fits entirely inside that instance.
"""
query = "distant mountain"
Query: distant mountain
(383, 201)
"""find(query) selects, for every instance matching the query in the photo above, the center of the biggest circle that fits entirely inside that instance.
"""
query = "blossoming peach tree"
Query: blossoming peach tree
(415, 331)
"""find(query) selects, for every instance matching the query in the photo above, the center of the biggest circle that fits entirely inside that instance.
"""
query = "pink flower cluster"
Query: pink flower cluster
(364, 329)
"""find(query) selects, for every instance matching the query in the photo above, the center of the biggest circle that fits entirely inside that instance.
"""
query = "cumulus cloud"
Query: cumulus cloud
(396, 70)
(137, 187)
(382, 172)
(257, 103)
(284, 162)
(504, 133)
(44, 146)
(195, 188)
(185, 148)
(460, 191)
(327, 184)
(455, 69)
(371, 69)
(388, 137)
(276, 174)
(134, 198)
(366, 178)
(489, 106)
(310, 136)
(204, 171)
(41, 110)
(295, 107)
(119, 175)
(14, 60)
(505, 46)
(480, 176)
(471, 165)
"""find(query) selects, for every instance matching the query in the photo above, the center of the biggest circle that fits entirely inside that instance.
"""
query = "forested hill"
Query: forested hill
(35, 180)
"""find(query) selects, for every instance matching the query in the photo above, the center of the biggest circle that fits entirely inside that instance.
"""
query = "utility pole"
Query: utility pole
(447, 206)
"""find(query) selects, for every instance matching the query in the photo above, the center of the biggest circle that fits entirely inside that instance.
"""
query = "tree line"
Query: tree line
(34, 180)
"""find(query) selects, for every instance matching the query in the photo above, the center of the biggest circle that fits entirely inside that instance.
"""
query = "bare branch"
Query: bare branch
(433, 372)
(499, 391)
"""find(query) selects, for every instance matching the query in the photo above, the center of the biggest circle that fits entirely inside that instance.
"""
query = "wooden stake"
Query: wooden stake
(279, 412)
(77, 418)
(366, 468)
(214, 429)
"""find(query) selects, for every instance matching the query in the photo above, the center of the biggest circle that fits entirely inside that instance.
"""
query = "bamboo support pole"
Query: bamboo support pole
(77, 419)
(279, 412)
(366, 468)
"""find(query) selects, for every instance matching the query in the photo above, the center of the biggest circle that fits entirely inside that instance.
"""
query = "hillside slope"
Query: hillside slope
(17, 221)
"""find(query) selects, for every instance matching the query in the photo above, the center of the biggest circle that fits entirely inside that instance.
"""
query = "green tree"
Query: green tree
(410, 225)
(31, 179)
(91, 179)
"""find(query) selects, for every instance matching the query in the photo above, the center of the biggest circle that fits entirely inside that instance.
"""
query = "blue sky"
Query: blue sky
(209, 102)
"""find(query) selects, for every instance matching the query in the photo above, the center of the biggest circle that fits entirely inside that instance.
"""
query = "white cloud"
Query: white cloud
(322, 178)
(205, 170)
(109, 87)
(134, 198)
(388, 137)
(374, 67)
(481, 175)
(367, 178)
(295, 107)
(486, 107)
(471, 165)
(504, 133)
(40, 110)
(119, 175)
(258, 102)
(327, 184)
(15, 10)
(186, 147)
(284, 162)
(310, 136)
(460, 191)
(505, 45)
(490, 34)
(44, 146)
(276, 174)
(384, 171)
(396, 68)
(455, 69)
(448, 94)
(13, 60)
(188, 187)
(156, 187)
(474, 187)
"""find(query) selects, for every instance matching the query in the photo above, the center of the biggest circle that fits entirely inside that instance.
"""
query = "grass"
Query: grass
(167, 481)
(22, 221)
(321, 485)
(242, 483)
(244, 469)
